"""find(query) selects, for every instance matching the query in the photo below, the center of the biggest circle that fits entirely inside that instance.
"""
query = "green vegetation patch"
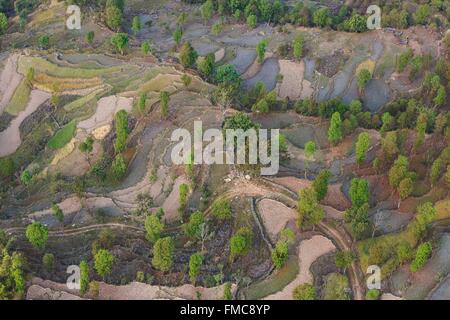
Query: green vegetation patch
(62, 136)
(20, 98)
(42, 65)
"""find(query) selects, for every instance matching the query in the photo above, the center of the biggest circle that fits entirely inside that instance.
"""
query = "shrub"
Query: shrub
(221, 209)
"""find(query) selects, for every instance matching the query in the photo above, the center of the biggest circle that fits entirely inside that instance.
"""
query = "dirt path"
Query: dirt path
(80, 230)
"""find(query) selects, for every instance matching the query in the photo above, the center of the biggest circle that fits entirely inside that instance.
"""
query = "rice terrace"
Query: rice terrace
(353, 96)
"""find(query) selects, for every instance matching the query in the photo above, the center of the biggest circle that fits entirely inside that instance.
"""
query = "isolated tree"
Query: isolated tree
(227, 294)
(48, 261)
(153, 227)
(113, 17)
(103, 262)
(423, 254)
(308, 208)
(398, 171)
(206, 66)
(252, 21)
(120, 41)
(304, 292)
(136, 25)
(84, 277)
(440, 97)
(195, 263)
(362, 145)
(344, 259)
(298, 44)
(405, 188)
(193, 228)
(26, 177)
(207, 10)
(121, 124)
(90, 37)
(37, 234)
(44, 41)
(363, 78)
(3, 23)
(216, 29)
(163, 254)
(421, 127)
(359, 192)
(58, 213)
(142, 102)
(241, 242)
(261, 48)
(335, 129)
(322, 17)
(310, 150)
(188, 55)
(146, 48)
(164, 96)
(281, 252)
(221, 209)
(373, 294)
(177, 35)
(320, 184)
(86, 147)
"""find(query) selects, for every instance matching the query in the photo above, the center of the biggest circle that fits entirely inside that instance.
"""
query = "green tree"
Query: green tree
(3, 23)
(399, 171)
(441, 97)
(26, 177)
(146, 48)
(206, 66)
(359, 192)
(358, 217)
(336, 286)
(447, 174)
(304, 292)
(118, 167)
(216, 29)
(113, 17)
(308, 208)
(221, 209)
(86, 147)
(252, 21)
(187, 80)
(241, 242)
(121, 124)
(177, 35)
(227, 74)
(153, 227)
(193, 228)
(261, 48)
(280, 254)
(362, 145)
(423, 254)
(44, 41)
(195, 263)
(343, 259)
(165, 98)
(142, 102)
(103, 262)
(84, 277)
(335, 129)
(7, 167)
(89, 37)
(37, 234)
(373, 294)
(58, 213)
(320, 184)
(207, 10)
(136, 25)
(422, 14)
(363, 78)
(405, 188)
(120, 41)
(298, 45)
(163, 254)
(188, 56)
(48, 261)
(322, 17)
(310, 150)
(387, 122)
(227, 294)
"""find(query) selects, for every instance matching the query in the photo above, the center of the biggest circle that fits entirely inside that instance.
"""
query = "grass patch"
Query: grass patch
(368, 64)
(443, 209)
(62, 136)
(49, 83)
(275, 282)
(20, 98)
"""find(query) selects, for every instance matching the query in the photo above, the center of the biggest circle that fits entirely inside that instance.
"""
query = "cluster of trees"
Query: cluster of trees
(12, 271)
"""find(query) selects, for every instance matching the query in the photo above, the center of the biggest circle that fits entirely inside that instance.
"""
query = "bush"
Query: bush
(221, 209)
(373, 294)
(163, 254)
(423, 254)
(304, 292)
(103, 262)
(37, 234)
(241, 242)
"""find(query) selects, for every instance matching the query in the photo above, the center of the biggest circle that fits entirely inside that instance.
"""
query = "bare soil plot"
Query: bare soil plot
(275, 216)
(9, 80)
